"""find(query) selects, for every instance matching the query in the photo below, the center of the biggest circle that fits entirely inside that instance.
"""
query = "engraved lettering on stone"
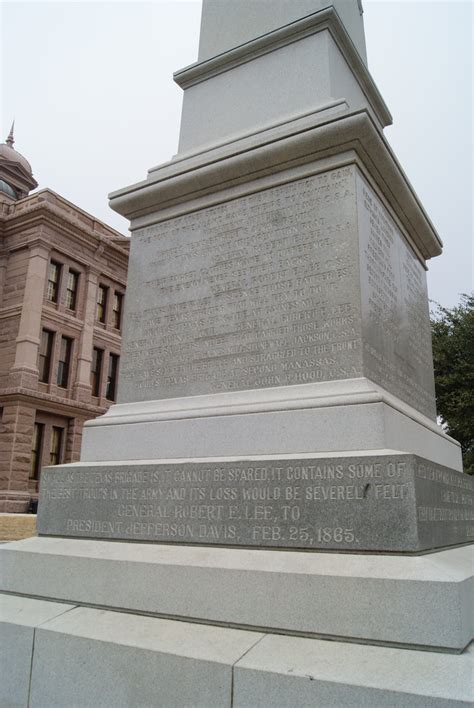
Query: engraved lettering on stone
(254, 293)
(396, 326)
(381, 504)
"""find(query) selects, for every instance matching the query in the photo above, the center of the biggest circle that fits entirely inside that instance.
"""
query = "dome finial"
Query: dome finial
(10, 140)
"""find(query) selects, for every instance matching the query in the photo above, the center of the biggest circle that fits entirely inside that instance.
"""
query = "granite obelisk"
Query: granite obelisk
(272, 474)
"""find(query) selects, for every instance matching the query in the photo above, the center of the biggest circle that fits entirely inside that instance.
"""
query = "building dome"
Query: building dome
(16, 174)
(9, 153)
(7, 189)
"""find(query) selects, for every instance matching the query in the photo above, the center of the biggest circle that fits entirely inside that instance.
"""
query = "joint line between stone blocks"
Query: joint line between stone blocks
(235, 664)
(28, 702)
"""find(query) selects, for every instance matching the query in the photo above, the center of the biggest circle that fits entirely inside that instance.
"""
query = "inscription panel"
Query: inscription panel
(357, 504)
(254, 293)
(446, 504)
(395, 315)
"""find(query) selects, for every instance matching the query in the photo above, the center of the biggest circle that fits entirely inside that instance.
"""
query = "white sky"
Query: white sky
(90, 86)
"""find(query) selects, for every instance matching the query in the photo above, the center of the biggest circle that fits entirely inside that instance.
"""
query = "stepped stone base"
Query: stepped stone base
(60, 654)
(90, 623)
(342, 416)
(417, 601)
(391, 502)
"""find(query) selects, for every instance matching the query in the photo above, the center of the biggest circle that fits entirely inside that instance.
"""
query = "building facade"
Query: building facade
(62, 286)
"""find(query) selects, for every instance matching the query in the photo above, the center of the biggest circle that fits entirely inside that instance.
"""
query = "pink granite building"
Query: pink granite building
(62, 285)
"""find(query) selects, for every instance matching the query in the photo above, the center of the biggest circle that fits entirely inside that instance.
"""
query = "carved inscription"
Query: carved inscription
(396, 326)
(448, 501)
(254, 293)
(335, 503)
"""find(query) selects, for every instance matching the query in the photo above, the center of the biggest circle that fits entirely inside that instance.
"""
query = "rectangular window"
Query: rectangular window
(45, 351)
(71, 290)
(54, 275)
(36, 446)
(64, 362)
(117, 310)
(56, 441)
(102, 303)
(96, 370)
(112, 377)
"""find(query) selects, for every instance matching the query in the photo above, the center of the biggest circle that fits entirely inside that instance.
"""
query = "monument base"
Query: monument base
(256, 627)
(371, 501)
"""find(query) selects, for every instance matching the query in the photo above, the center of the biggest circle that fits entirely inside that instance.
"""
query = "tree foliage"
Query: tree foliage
(453, 354)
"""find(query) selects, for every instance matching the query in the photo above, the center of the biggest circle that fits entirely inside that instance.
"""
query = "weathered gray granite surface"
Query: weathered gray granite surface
(19, 619)
(123, 660)
(398, 599)
(276, 392)
(226, 25)
(129, 660)
(378, 503)
(259, 68)
(307, 282)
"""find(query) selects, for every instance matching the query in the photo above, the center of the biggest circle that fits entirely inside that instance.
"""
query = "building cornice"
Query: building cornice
(40, 216)
(49, 403)
(12, 311)
(49, 206)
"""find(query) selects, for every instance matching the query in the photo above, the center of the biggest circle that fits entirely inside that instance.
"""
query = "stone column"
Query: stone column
(72, 451)
(15, 457)
(82, 384)
(3, 270)
(25, 369)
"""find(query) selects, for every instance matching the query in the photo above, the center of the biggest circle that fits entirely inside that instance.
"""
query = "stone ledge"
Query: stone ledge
(19, 617)
(95, 657)
(303, 672)
(418, 600)
(343, 392)
(86, 657)
(369, 427)
(212, 174)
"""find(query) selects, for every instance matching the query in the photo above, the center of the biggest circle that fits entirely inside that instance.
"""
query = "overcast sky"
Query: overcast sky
(90, 86)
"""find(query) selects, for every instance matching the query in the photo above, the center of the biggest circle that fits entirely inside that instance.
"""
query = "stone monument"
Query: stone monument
(270, 514)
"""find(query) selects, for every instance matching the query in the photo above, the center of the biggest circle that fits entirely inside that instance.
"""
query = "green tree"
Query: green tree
(453, 355)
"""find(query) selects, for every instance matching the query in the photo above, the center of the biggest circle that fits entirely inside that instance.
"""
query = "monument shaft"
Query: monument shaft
(273, 475)
(276, 307)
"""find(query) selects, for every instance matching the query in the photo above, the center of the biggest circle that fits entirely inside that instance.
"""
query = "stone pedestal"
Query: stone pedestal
(256, 627)
(272, 476)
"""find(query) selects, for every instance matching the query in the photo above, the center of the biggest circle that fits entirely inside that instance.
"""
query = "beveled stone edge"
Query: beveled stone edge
(229, 143)
(44, 608)
(215, 177)
(428, 679)
(216, 459)
(268, 655)
(324, 19)
(256, 629)
(448, 569)
(342, 392)
(420, 567)
(257, 400)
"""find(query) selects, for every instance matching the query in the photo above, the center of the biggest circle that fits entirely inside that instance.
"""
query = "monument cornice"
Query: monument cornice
(243, 166)
(325, 19)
